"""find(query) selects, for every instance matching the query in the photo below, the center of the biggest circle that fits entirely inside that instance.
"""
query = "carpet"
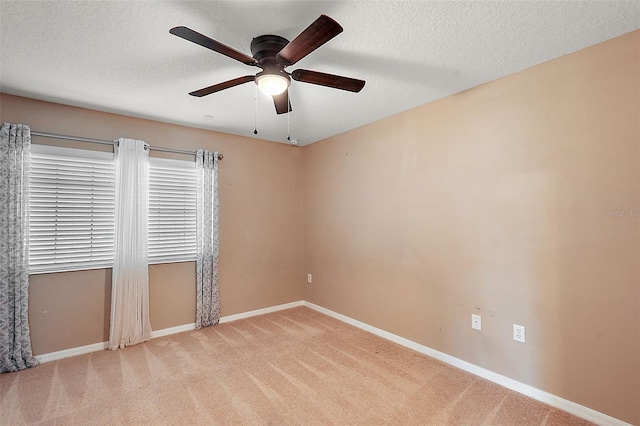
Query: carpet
(293, 367)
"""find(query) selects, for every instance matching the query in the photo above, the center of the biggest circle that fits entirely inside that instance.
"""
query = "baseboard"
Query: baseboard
(173, 330)
(262, 311)
(540, 395)
(95, 347)
(66, 353)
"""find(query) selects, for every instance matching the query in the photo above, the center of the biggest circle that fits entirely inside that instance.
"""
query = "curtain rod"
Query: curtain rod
(105, 142)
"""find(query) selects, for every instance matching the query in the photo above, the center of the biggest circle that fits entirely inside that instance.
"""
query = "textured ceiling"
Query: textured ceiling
(118, 56)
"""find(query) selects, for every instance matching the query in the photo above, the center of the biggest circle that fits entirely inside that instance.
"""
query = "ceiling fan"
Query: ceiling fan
(273, 54)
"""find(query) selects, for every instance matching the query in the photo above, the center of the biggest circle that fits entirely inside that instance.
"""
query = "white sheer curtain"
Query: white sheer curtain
(130, 322)
(15, 344)
(208, 294)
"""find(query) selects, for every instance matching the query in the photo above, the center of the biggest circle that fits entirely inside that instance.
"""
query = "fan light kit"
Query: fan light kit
(272, 84)
(273, 54)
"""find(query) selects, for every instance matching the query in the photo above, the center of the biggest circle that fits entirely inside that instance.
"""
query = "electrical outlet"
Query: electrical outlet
(476, 322)
(518, 333)
(308, 278)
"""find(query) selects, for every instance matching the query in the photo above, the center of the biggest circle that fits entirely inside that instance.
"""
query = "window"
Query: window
(71, 209)
(172, 210)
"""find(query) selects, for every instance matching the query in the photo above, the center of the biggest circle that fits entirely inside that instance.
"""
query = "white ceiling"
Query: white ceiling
(118, 56)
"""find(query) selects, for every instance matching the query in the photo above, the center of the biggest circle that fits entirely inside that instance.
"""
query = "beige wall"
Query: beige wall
(493, 202)
(260, 229)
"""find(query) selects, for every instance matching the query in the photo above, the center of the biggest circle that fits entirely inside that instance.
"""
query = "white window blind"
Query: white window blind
(71, 209)
(172, 210)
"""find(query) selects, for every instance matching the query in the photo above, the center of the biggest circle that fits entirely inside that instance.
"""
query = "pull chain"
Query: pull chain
(255, 116)
(288, 114)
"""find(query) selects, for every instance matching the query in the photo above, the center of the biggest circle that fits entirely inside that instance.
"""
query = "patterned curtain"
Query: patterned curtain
(130, 323)
(15, 344)
(208, 294)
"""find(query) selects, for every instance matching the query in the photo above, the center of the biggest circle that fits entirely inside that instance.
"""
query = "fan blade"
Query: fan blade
(329, 80)
(221, 86)
(316, 34)
(209, 43)
(281, 102)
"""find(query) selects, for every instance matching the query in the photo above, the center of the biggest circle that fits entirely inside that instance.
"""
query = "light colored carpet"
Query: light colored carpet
(291, 367)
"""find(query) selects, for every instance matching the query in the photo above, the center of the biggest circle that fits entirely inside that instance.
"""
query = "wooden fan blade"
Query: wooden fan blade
(316, 34)
(209, 43)
(282, 102)
(329, 80)
(221, 86)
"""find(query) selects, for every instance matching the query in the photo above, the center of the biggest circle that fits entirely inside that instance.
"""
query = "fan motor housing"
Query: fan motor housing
(264, 49)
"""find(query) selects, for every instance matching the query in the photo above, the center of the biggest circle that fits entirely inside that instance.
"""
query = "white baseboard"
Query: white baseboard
(262, 311)
(95, 347)
(540, 395)
(81, 350)
(173, 330)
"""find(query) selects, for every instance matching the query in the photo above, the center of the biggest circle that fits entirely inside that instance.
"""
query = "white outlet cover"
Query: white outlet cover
(476, 322)
(518, 333)
(308, 278)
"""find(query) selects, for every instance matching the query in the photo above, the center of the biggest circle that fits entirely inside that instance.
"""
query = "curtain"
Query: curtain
(15, 343)
(208, 294)
(130, 322)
